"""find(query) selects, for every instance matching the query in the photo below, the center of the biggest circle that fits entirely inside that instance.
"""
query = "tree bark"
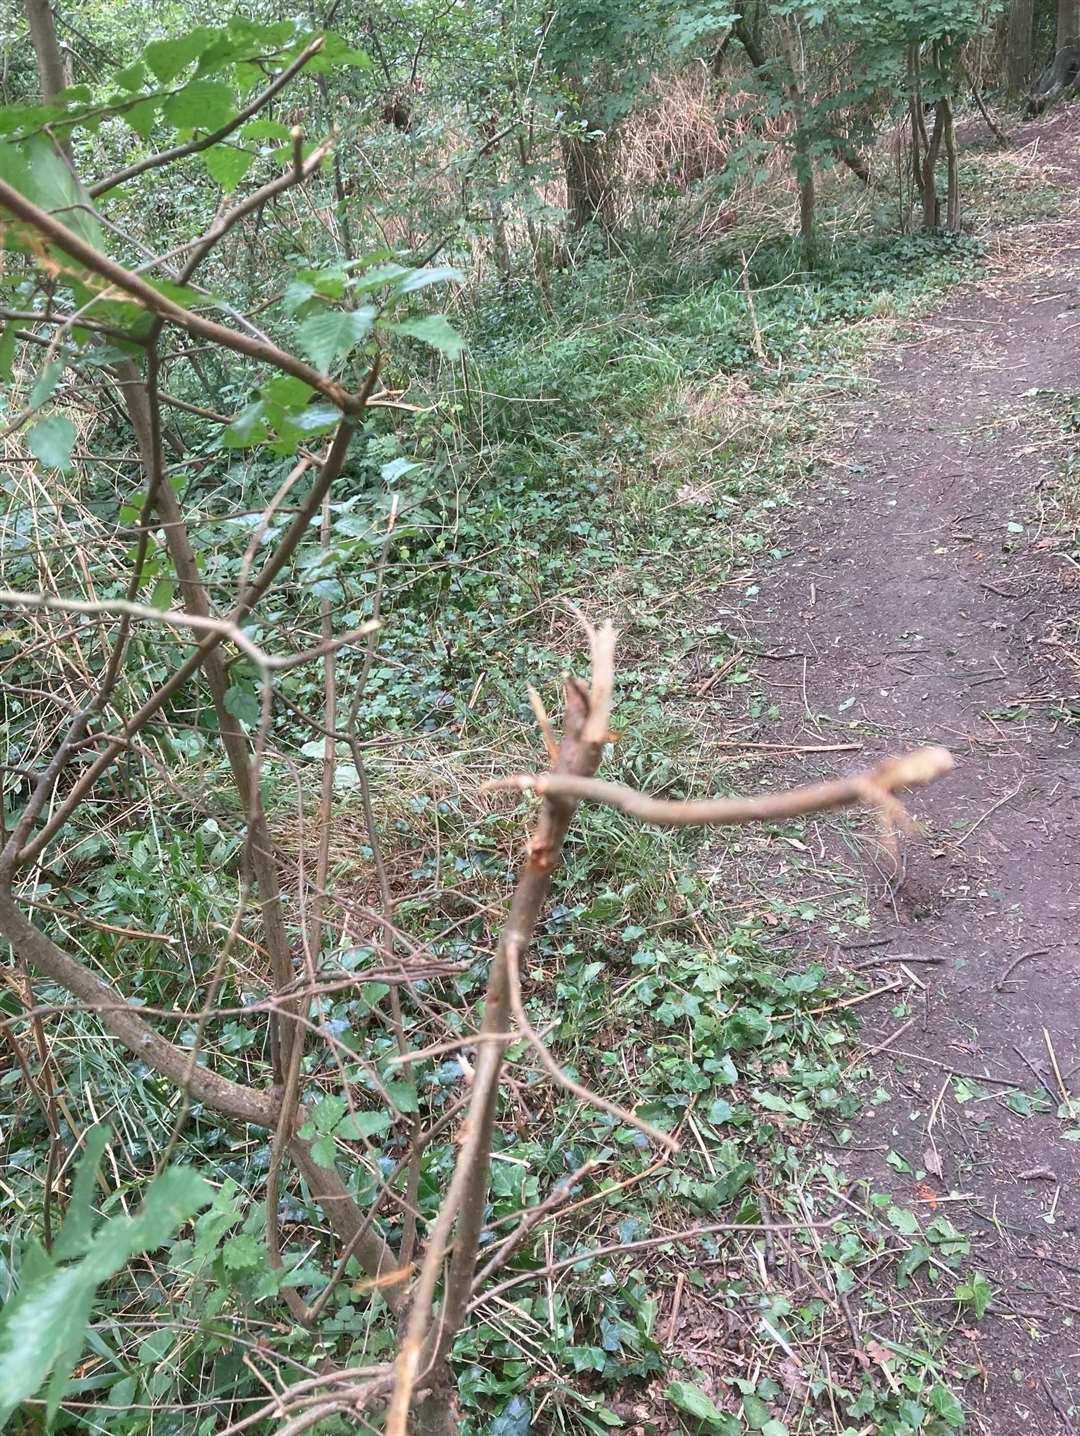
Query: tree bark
(1018, 45)
(1068, 23)
(50, 58)
(590, 192)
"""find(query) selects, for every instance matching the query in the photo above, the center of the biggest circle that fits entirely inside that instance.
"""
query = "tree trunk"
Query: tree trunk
(1068, 23)
(791, 43)
(930, 204)
(590, 192)
(1018, 45)
(50, 59)
(952, 209)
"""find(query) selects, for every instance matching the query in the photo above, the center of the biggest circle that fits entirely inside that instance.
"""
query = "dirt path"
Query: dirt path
(925, 612)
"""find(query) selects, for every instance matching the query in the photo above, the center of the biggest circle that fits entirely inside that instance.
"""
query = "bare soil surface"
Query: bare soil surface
(926, 598)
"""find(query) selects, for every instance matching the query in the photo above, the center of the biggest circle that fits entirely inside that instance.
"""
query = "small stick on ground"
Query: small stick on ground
(1024, 956)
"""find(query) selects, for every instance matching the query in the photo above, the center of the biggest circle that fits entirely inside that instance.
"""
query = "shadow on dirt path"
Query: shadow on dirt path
(924, 599)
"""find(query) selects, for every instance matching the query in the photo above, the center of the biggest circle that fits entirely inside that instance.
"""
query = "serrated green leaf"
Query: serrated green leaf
(433, 329)
(43, 1328)
(132, 77)
(243, 1253)
(168, 57)
(264, 130)
(328, 336)
(242, 702)
(200, 105)
(227, 165)
(249, 427)
(328, 1112)
(51, 441)
(143, 115)
(287, 393)
(322, 1151)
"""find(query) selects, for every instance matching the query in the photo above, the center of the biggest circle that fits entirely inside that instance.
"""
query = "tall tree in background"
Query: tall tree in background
(1018, 45)
(1068, 23)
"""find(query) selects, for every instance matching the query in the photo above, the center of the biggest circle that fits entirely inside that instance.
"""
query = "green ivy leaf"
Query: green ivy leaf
(330, 335)
(691, 1399)
(433, 329)
(51, 441)
(227, 165)
(200, 105)
(515, 1419)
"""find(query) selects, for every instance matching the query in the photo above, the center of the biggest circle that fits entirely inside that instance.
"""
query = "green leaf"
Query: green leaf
(977, 1293)
(917, 1257)
(755, 1410)
(132, 77)
(330, 335)
(249, 427)
(904, 1221)
(227, 165)
(322, 1151)
(36, 170)
(418, 279)
(328, 1112)
(403, 1095)
(162, 596)
(243, 1253)
(143, 115)
(433, 329)
(264, 130)
(515, 1419)
(287, 393)
(200, 105)
(75, 1234)
(43, 1328)
(8, 343)
(46, 383)
(355, 1125)
(51, 441)
(168, 57)
(691, 1399)
(242, 701)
